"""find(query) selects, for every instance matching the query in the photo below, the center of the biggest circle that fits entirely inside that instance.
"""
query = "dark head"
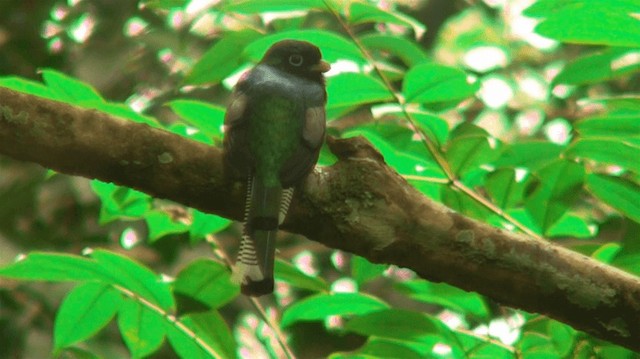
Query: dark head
(300, 58)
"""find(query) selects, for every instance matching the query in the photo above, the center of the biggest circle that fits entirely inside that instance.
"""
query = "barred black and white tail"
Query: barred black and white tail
(265, 209)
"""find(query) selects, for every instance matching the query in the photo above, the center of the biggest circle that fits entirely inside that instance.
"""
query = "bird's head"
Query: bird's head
(299, 58)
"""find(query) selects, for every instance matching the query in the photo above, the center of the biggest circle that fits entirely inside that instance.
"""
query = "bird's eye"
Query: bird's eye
(295, 60)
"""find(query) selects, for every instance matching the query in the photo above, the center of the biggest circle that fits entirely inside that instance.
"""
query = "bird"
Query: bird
(274, 128)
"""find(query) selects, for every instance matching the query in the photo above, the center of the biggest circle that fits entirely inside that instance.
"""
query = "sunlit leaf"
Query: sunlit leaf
(445, 295)
(261, 6)
(69, 89)
(211, 328)
(321, 306)
(221, 59)
(204, 116)
(427, 83)
(363, 271)
(607, 252)
(353, 89)
(207, 281)
(409, 52)
(533, 155)
(622, 153)
(290, 274)
(601, 66)
(161, 223)
(84, 311)
(613, 127)
(506, 187)
(205, 223)
(619, 193)
(361, 12)
(396, 324)
(141, 327)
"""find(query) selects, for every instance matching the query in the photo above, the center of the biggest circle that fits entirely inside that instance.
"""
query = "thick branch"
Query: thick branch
(359, 205)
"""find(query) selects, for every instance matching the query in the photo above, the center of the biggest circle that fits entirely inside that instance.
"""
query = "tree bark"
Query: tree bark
(359, 205)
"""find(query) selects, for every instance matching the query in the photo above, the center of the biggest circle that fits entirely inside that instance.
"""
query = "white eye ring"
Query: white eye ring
(296, 60)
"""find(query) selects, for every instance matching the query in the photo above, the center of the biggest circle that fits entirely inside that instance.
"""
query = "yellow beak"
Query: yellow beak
(321, 66)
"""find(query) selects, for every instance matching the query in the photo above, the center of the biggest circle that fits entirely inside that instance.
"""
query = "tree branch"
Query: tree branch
(359, 205)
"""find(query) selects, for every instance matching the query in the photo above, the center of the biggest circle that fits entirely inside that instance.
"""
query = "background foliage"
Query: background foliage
(533, 131)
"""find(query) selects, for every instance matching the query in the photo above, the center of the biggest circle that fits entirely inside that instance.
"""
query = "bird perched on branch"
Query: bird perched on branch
(274, 128)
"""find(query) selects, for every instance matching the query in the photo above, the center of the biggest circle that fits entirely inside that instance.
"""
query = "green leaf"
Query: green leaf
(558, 186)
(70, 89)
(184, 345)
(594, 68)
(212, 329)
(84, 311)
(617, 152)
(53, 267)
(470, 147)
(131, 275)
(612, 127)
(333, 46)
(125, 112)
(584, 22)
(120, 202)
(142, 329)
(571, 225)
(533, 155)
(429, 83)
(262, 6)
(361, 12)
(619, 193)
(288, 273)
(27, 86)
(436, 128)
(75, 353)
(408, 51)
(161, 224)
(208, 282)
(352, 89)
(507, 187)
(162, 4)
(396, 324)
(221, 59)
(187, 131)
(473, 347)
(446, 296)
(607, 252)
(392, 348)
(205, 223)
(203, 116)
(363, 271)
(321, 306)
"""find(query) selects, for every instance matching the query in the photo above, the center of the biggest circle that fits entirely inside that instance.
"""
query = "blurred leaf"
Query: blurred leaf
(205, 117)
(393, 348)
(124, 111)
(205, 223)
(570, 225)
(618, 152)
(212, 329)
(470, 147)
(184, 345)
(321, 306)
(614, 127)
(427, 83)
(583, 22)
(559, 184)
(473, 347)
(142, 328)
(408, 51)
(120, 202)
(436, 128)
(53, 267)
(363, 271)
(507, 187)
(396, 324)
(533, 155)
(75, 353)
(333, 46)
(69, 89)
(221, 59)
(607, 252)
(619, 193)
(207, 281)
(594, 68)
(353, 89)
(140, 280)
(288, 273)
(262, 6)
(83, 312)
(361, 12)
(161, 223)
(446, 296)
(27, 86)
(189, 132)
(162, 4)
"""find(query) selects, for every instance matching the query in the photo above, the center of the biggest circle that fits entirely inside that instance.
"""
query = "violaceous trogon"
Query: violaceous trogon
(274, 128)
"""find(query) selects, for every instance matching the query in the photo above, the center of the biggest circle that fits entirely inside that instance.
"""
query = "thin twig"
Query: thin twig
(171, 318)
(431, 147)
(220, 252)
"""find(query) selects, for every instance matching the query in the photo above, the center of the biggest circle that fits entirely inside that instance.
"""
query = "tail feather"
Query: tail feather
(254, 267)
